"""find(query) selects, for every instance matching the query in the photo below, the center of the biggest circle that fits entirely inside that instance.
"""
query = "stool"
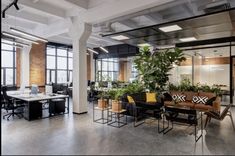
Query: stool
(103, 119)
(117, 116)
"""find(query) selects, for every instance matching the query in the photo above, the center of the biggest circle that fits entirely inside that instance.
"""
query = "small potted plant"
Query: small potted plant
(102, 102)
(115, 95)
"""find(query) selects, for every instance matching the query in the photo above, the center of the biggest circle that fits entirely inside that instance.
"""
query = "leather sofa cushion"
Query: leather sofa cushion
(148, 105)
(139, 96)
(189, 95)
(203, 107)
(168, 103)
(187, 104)
(207, 94)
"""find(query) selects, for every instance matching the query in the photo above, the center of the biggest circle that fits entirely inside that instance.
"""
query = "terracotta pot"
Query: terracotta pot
(102, 103)
(116, 105)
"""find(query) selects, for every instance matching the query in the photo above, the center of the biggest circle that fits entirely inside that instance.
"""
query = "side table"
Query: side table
(117, 116)
(103, 119)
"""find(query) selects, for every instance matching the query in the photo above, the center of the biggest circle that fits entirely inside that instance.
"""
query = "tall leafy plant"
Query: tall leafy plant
(154, 67)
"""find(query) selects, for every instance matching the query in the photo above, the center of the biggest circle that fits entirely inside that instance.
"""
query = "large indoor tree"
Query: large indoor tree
(153, 67)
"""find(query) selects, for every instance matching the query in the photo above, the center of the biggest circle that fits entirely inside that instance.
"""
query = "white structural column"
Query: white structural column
(24, 67)
(79, 32)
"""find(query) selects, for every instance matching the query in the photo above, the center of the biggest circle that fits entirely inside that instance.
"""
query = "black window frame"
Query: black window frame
(14, 68)
(56, 47)
(100, 72)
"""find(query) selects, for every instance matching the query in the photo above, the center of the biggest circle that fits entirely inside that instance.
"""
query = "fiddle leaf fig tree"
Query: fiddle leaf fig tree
(154, 67)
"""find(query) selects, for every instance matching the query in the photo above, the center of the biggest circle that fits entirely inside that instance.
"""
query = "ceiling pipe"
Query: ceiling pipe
(10, 5)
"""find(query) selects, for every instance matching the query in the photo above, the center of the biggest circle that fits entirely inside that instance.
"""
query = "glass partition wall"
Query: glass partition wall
(208, 65)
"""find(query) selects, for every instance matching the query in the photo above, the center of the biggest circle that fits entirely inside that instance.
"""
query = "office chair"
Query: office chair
(11, 105)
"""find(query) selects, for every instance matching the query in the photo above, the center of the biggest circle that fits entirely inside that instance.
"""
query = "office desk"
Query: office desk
(32, 104)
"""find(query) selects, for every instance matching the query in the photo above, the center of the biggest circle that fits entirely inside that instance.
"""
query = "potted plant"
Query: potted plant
(153, 67)
(102, 102)
(115, 95)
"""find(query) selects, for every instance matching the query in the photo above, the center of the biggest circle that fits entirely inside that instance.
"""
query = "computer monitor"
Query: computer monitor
(48, 89)
(34, 89)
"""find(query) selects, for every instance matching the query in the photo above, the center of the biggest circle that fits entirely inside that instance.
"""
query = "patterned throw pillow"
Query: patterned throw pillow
(200, 99)
(179, 97)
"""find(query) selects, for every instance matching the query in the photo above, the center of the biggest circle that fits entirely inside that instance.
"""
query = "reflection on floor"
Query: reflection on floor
(77, 134)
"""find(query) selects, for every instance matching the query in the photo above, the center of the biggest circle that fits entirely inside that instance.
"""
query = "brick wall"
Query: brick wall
(18, 60)
(37, 64)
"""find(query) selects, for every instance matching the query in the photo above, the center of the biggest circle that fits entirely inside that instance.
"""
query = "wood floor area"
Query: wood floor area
(78, 134)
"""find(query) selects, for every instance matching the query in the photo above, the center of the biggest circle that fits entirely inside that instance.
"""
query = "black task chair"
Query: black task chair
(11, 105)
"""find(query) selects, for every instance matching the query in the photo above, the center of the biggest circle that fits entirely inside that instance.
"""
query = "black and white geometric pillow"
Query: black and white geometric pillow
(200, 99)
(179, 97)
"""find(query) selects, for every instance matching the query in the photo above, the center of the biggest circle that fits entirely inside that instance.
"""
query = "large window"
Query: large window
(59, 64)
(8, 65)
(107, 69)
(134, 71)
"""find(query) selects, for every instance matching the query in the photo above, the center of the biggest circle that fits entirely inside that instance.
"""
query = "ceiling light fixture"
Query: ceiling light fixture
(18, 37)
(16, 42)
(187, 39)
(105, 50)
(165, 46)
(170, 28)
(144, 45)
(28, 35)
(120, 37)
(14, 45)
(93, 51)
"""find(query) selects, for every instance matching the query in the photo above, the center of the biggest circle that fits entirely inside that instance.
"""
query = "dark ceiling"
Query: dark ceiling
(210, 26)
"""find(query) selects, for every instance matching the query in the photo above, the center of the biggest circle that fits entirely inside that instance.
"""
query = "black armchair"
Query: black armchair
(16, 107)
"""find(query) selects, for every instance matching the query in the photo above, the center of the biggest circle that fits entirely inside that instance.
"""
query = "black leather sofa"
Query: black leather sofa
(141, 106)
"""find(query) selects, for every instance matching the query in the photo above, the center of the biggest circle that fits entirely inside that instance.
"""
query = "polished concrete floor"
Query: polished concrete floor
(78, 134)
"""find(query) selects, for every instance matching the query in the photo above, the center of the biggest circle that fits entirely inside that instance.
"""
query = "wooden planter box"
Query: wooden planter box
(116, 106)
(102, 103)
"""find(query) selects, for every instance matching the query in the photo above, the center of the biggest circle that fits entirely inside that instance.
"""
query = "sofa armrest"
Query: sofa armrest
(217, 104)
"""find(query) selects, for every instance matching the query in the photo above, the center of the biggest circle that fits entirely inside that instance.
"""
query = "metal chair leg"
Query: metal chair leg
(9, 116)
(207, 119)
(231, 117)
